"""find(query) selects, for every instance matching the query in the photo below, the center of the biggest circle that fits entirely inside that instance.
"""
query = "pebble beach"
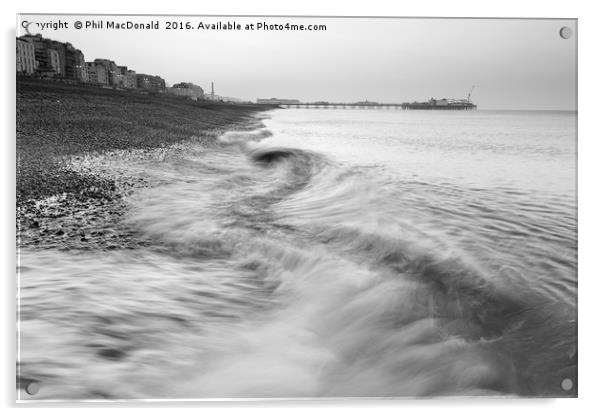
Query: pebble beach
(66, 201)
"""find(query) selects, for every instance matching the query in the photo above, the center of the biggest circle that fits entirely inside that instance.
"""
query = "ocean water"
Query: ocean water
(330, 253)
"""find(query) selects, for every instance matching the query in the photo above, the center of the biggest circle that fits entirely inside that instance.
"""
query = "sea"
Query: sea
(326, 253)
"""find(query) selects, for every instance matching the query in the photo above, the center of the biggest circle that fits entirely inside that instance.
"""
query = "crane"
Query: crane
(470, 93)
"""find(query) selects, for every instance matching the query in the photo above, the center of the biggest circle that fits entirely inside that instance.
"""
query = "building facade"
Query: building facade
(91, 68)
(42, 54)
(49, 58)
(187, 89)
(128, 77)
(55, 61)
(150, 82)
(26, 57)
(60, 49)
(102, 74)
(97, 73)
(113, 74)
(75, 64)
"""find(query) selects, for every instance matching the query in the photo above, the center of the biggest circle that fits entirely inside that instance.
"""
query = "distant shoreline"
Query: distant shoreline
(57, 122)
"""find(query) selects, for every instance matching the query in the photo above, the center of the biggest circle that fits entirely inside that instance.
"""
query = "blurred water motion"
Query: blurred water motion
(331, 253)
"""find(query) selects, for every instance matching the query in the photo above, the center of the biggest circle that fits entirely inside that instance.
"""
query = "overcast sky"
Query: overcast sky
(514, 64)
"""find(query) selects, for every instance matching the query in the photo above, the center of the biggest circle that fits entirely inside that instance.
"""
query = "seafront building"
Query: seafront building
(131, 81)
(54, 61)
(53, 58)
(92, 75)
(97, 73)
(128, 77)
(47, 58)
(150, 82)
(114, 74)
(187, 89)
(44, 55)
(75, 64)
(26, 57)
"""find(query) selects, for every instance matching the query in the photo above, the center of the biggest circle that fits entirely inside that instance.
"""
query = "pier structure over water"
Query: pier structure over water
(432, 104)
(377, 106)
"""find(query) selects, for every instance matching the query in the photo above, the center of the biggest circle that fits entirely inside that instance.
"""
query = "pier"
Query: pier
(382, 106)
(432, 104)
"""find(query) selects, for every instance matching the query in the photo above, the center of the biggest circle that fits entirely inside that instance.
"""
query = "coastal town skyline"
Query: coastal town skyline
(516, 73)
(46, 58)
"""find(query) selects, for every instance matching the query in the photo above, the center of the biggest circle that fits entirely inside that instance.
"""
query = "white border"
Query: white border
(589, 200)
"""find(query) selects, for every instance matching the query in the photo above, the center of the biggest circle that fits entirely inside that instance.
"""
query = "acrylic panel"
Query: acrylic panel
(235, 207)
